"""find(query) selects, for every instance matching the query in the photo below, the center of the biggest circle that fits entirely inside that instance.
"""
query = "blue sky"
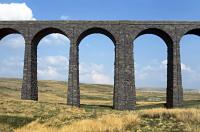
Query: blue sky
(96, 50)
(113, 9)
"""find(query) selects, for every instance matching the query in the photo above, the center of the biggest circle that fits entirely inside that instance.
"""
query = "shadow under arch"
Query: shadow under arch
(169, 44)
(95, 30)
(6, 31)
(44, 32)
(158, 32)
(195, 31)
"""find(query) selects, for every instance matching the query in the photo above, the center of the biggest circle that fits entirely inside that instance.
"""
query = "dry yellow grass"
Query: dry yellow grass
(36, 127)
(191, 116)
(123, 121)
(51, 114)
(107, 123)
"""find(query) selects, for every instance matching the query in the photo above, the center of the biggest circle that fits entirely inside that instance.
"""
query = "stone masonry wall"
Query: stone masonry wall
(123, 34)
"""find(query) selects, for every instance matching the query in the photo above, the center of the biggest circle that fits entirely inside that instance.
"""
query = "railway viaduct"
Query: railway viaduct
(122, 33)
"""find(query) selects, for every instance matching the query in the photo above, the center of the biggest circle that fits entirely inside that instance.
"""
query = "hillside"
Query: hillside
(52, 113)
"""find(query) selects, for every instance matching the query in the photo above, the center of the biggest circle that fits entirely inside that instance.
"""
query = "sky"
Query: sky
(96, 50)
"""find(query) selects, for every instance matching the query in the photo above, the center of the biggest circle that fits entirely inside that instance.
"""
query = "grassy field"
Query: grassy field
(51, 113)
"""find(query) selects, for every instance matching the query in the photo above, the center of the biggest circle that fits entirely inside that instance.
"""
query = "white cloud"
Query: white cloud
(184, 67)
(15, 11)
(53, 68)
(13, 41)
(63, 17)
(49, 67)
(56, 68)
(100, 78)
(11, 67)
(164, 62)
(55, 38)
(151, 75)
(86, 68)
(56, 60)
(94, 73)
(49, 73)
(155, 74)
(141, 75)
(149, 68)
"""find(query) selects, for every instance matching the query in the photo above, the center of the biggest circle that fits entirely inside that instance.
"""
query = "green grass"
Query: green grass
(96, 100)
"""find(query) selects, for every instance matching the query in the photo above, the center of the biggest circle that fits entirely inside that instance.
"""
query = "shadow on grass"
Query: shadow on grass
(51, 103)
(191, 103)
(186, 104)
(15, 121)
(150, 106)
(91, 107)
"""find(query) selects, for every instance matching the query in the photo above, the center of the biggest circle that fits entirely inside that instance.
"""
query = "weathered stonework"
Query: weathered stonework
(122, 33)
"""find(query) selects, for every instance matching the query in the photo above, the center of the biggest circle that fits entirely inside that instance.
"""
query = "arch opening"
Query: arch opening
(95, 30)
(12, 45)
(52, 55)
(44, 32)
(158, 32)
(7, 31)
(189, 48)
(151, 67)
(193, 32)
(96, 69)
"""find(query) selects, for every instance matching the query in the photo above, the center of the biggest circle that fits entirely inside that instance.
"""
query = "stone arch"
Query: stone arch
(169, 45)
(186, 36)
(195, 31)
(36, 38)
(44, 32)
(80, 37)
(158, 32)
(93, 31)
(6, 31)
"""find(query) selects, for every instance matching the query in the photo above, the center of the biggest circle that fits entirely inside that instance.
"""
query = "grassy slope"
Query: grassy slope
(96, 100)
